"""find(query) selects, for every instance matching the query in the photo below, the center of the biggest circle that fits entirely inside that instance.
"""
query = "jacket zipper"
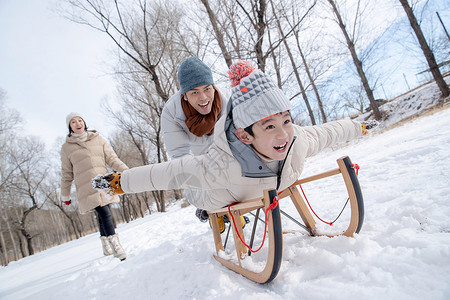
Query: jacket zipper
(282, 165)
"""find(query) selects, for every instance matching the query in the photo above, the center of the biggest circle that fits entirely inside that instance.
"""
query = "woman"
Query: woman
(84, 155)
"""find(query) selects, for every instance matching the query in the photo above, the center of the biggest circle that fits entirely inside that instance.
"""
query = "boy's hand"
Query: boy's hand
(367, 125)
(109, 183)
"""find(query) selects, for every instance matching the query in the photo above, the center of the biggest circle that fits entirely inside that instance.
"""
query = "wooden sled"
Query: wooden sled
(274, 231)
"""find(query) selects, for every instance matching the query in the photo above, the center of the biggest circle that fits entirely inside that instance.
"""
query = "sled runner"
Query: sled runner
(272, 214)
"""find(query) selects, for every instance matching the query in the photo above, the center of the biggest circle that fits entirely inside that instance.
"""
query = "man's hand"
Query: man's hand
(109, 183)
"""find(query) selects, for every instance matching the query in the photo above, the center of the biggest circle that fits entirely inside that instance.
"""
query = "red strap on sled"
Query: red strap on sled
(354, 166)
(271, 206)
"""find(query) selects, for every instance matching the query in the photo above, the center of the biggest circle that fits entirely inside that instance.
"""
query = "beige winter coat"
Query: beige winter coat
(82, 161)
(217, 175)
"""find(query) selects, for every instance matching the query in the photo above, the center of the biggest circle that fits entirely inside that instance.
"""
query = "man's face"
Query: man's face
(201, 98)
(272, 136)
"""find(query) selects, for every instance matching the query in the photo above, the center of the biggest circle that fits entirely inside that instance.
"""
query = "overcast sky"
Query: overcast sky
(50, 67)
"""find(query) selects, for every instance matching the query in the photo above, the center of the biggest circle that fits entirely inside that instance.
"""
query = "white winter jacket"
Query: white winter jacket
(178, 140)
(217, 176)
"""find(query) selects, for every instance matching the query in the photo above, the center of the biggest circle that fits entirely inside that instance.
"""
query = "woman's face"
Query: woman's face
(77, 125)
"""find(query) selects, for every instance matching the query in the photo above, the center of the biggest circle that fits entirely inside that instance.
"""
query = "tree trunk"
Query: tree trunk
(427, 52)
(275, 64)
(259, 24)
(311, 79)
(357, 62)
(11, 236)
(297, 75)
(72, 223)
(260, 29)
(4, 250)
(24, 231)
(219, 36)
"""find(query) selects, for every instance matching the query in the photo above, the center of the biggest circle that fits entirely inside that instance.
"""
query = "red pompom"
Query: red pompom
(240, 70)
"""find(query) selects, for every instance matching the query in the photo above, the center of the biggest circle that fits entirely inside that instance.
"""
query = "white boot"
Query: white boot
(117, 247)
(107, 250)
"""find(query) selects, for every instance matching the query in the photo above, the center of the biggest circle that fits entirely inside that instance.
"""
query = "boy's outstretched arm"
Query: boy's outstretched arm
(319, 137)
(191, 172)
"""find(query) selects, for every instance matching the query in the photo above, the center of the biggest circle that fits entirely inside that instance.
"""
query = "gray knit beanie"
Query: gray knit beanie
(193, 73)
(254, 95)
(71, 116)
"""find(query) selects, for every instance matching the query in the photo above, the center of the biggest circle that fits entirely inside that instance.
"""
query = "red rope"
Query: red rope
(310, 207)
(354, 166)
(271, 206)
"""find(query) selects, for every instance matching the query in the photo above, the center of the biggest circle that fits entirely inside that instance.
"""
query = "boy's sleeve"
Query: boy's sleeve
(323, 136)
(188, 172)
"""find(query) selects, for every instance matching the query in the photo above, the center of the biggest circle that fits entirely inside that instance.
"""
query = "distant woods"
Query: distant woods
(332, 58)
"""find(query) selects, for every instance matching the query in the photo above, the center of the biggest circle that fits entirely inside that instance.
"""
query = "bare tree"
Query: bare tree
(135, 28)
(218, 32)
(291, 57)
(356, 60)
(31, 168)
(9, 124)
(241, 28)
(427, 52)
(150, 40)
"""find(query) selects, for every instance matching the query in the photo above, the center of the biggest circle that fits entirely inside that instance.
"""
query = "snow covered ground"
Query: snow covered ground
(402, 251)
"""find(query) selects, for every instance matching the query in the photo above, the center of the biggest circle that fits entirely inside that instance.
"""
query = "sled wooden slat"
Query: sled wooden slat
(275, 239)
(317, 177)
(302, 208)
(243, 207)
(275, 243)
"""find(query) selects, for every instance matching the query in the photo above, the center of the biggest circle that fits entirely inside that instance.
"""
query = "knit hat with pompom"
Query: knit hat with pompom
(254, 96)
(71, 116)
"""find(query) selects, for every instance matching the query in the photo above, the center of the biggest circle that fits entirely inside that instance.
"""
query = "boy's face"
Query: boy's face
(201, 98)
(272, 136)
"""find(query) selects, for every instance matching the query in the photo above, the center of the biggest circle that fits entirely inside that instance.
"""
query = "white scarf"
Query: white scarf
(83, 136)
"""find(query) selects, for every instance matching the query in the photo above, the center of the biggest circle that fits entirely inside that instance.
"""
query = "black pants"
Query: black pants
(105, 222)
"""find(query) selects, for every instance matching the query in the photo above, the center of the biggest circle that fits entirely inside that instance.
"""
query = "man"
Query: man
(189, 116)
(255, 147)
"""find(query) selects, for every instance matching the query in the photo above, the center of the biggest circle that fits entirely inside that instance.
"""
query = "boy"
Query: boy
(255, 147)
